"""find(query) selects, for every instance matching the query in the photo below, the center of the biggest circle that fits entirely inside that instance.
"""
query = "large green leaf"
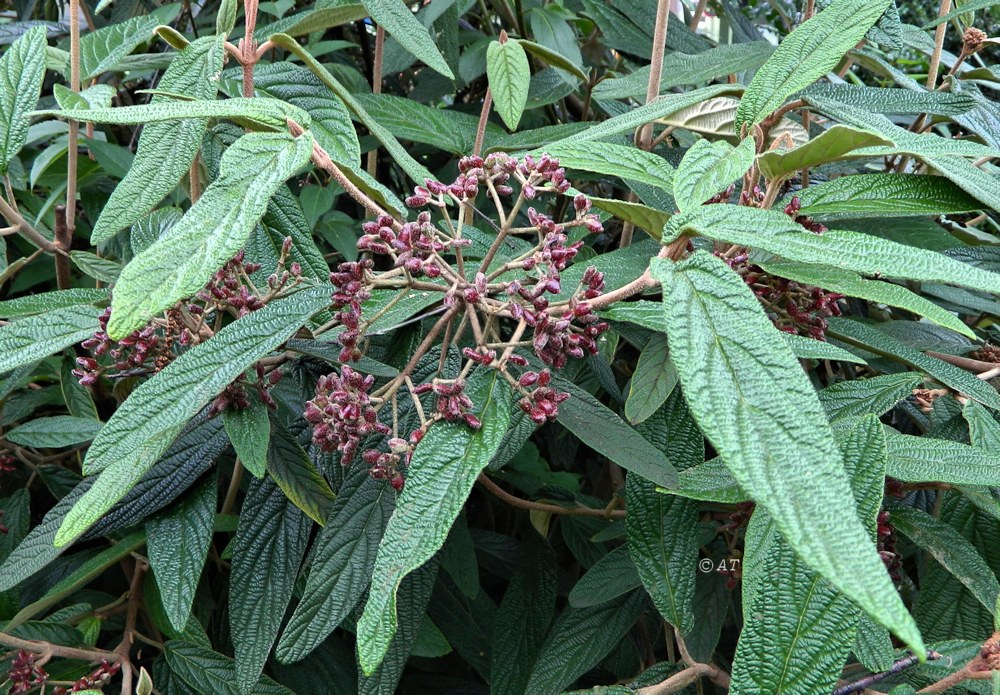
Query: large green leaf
(397, 19)
(205, 671)
(318, 18)
(963, 8)
(270, 543)
(166, 149)
(873, 340)
(523, 616)
(874, 396)
(969, 178)
(441, 475)
(757, 407)
(924, 459)
(296, 474)
(607, 158)
(579, 639)
(884, 195)
(22, 69)
(652, 382)
(342, 562)
(829, 146)
(178, 544)
(35, 337)
(509, 74)
(807, 54)
(603, 431)
(178, 264)
(663, 543)
(102, 50)
(143, 427)
(798, 629)
(249, 430)
(267, 113)
(853, 285)
(55, 431)
(610, 577)
(949, 548)
(707, 168)
(777, 233)
(48, 301)
(895, 101)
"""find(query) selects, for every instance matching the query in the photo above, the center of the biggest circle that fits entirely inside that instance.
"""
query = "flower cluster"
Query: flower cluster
(987, 353)
(24, 674)
(541, 403)
(147, 350)
(350, 290)
(342, 413)
(96, 679)
(886, 542)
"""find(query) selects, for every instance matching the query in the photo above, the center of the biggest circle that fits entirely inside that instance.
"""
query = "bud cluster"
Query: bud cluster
(24, 674)
(236, 396)
(542, 402)
(96, 679)
(886, 542)
(342, 413)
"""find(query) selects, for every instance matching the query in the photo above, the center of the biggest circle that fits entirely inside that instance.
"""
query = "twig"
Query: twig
(699, 11)
(125, 646)
(515, 501)
(376, 87)
(26, 230)
(64, 238)
(694, 672)
(932, 71)
(72, 153)
(900, 665)
(47, 648)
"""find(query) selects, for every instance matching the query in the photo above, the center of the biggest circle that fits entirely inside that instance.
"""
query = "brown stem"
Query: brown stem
(477, 148)
(376, 87)
(46, 648)
(699, 11)
(125, 646)
(234, 488)
(72, 152)
(963, 362)
(64, 237)
(194, 180)
(25, 229)
(515, 501)
(932, 71)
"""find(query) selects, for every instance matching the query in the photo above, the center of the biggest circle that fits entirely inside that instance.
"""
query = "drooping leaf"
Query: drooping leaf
(316, 19)
(663, 544)
(884, 195)
(873, 340)
(55, 431)
(342, 562)
(270, 543)
(707, 168)
(179, 264)
(777, 233)
(166, 149)
(206, 671)
(629, 163)
(144, 426)
(728, 352)
(509, 73)
(397, 19)
(829, 146)
(874, 396)
(102, 50)
(249, 431)
(652, 382)
(444, 467)
(296, 474)
(22, 69)
(552, 58)
(523, 616)
(807, 54)
(610, 577)
(178, 545)
(924, 459)
(40, 335)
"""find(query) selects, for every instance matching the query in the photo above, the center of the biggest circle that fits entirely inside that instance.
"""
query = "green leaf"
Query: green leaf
(444, 467)
(607, 434)
(316, 19)
(963, 8)
(413, 169)
(178, 546)
(55, 432)
(777, 233)
(807, 54)
(707, 168)
(523, 616)
(829, 146)
(396, 18)
(206, 671)
(78, 400)
(271, 114)
(610, 577)
(552, 58)
(249, 431)
(49, 301)
(806, 348)
(798, 629)
(270, 542)
(178, 264)
(873, 340)
(145, 424)
(884, 195)
(924, 459)
(629, 121)
(757, 407)
(102, 50)
(644, 217)
(629, 163)
(685, 69)
(663, 543)
(166, 149)
(35, 337)
(969, 178)
(853, 285)
(296, 474)
(652, 382)
(509, 73)
(949, 548)
(876, 396)
(225, 20)
(22, 70)
(96, 267)
(342, 561)
(895, 101)
(579, 639)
